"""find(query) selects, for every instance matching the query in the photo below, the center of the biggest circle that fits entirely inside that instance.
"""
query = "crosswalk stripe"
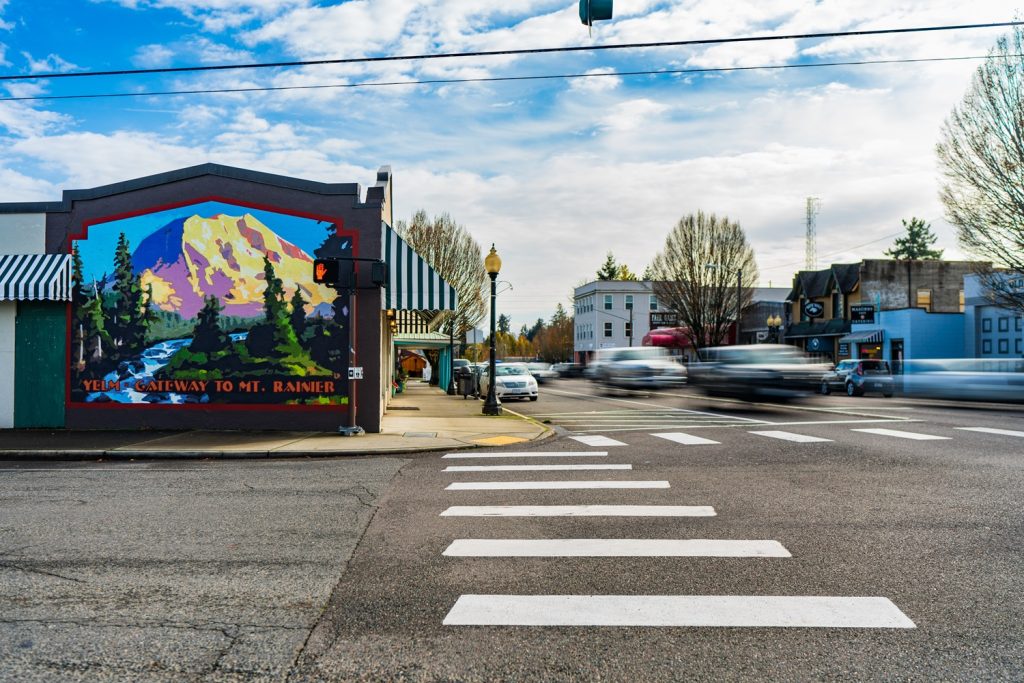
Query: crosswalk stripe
(991, 430)
(596, 441)
(896, 434)
(579, 511)
(614, 547)
(542, 485)
(530, 454)
(686, 439)
(677, 610)
(790, 436)
(532, 468)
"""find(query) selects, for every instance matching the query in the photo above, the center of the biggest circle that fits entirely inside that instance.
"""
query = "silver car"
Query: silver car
(637, 367)
(511, 380)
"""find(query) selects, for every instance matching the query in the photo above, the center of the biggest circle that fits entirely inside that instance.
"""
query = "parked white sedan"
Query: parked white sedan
(512, 380)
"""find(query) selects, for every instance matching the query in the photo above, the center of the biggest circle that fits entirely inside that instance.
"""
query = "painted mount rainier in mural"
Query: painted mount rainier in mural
(192, 258)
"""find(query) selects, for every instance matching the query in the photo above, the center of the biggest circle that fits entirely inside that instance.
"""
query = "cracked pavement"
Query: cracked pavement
(158, 571)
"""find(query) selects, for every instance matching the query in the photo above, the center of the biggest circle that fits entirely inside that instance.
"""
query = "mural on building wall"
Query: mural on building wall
(209, 303)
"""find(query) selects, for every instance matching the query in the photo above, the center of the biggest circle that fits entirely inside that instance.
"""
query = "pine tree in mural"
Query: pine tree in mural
(128, 319)
(298, 314)
(274, 338)
(208, 338)
(89, 336)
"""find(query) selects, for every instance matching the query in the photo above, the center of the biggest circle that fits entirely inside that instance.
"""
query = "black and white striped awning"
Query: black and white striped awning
(412, 283)
(863, 337)
(46, 277)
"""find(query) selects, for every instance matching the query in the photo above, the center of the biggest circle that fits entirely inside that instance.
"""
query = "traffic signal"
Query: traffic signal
(595, 10)
(326, 271)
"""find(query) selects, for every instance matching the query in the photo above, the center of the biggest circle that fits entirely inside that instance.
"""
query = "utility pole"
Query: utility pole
(811, 235)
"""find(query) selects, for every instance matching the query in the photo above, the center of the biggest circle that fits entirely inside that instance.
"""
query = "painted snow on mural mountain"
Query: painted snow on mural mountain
(194, 257)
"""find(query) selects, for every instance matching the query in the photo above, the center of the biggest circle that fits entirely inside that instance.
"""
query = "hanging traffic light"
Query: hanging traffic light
(595, 10)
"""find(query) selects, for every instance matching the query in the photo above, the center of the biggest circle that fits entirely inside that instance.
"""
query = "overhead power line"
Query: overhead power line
(525, 51)
(493, 79)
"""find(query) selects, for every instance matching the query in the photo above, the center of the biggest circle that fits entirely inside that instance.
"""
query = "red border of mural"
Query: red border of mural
(339, 231)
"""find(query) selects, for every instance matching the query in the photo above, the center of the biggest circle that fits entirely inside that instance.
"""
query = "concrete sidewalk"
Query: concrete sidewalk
(423, 418)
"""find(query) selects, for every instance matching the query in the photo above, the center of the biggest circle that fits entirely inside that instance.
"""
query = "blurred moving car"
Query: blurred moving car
(568, 369)
(637, 367)
(541, 372)
(757, 371)
(855, 377)
(511, 380)
(971, 379)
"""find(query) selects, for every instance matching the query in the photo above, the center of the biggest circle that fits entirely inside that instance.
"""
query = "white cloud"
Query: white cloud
(601, 81)
(217, 16)
(51, 63)
(23, 120)
(628, 116)
(153, 56)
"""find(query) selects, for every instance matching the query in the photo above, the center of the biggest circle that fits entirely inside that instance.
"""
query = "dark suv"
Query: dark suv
(856, 377)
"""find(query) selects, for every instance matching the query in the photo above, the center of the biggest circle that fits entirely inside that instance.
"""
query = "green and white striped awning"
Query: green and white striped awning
(412, 283)
(35, 276)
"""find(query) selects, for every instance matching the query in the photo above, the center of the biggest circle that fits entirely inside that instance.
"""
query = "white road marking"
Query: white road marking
(990, 430)
(686, 439)
(532, 468)
(597, 441)
(542, 485)
(579, 511)
(530, 454)
(677, 610)
(896, 434)
(790, 436)
(614, 547)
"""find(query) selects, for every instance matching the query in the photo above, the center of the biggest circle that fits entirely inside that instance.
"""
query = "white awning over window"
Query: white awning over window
(863, 337)
(46, 277)
(412, 283)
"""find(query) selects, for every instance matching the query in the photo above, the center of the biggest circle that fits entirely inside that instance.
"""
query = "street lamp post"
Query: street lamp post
(774, 322)
(451, 356)
(492, 264)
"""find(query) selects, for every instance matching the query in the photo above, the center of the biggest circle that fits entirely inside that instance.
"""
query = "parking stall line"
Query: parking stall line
(579, 511)
(530, 454)
(991, 430)
(532, 468)
(896, 434)
(596, 440)
(545, 485)
(685, 439)
(790, 436)
(614, 547)
(754, 611)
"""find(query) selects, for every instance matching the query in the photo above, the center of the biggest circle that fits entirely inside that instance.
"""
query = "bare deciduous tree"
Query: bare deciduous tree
(981, 152)
(453, 253)
(697, 272)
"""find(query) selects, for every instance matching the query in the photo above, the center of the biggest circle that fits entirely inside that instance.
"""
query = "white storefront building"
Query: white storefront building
(611, 313)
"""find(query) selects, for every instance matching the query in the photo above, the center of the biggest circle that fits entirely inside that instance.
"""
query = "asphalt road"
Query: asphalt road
(268, 570)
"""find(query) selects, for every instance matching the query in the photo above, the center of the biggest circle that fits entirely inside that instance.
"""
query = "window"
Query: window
(1017, 344)
(986, 324)
(1017, 324)
(629, 302)
(1004, 324)
(837, 306)
(607, 329)
(924, 299)
(608, 303)
(629, 330)
(986, 346)
(1004, 346)
(961, 301)
(654, 304)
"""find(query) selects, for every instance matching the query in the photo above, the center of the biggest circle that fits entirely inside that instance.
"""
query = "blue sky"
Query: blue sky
(555, 173)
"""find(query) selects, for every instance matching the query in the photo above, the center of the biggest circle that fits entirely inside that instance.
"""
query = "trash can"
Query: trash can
(467, 384)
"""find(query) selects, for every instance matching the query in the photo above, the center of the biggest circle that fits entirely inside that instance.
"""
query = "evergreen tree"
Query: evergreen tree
(916, 244)
(504, 323)
(273, 295)
(208, 337)
(128, 320)
(298, 315)
(274, 338)
(609, 270)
